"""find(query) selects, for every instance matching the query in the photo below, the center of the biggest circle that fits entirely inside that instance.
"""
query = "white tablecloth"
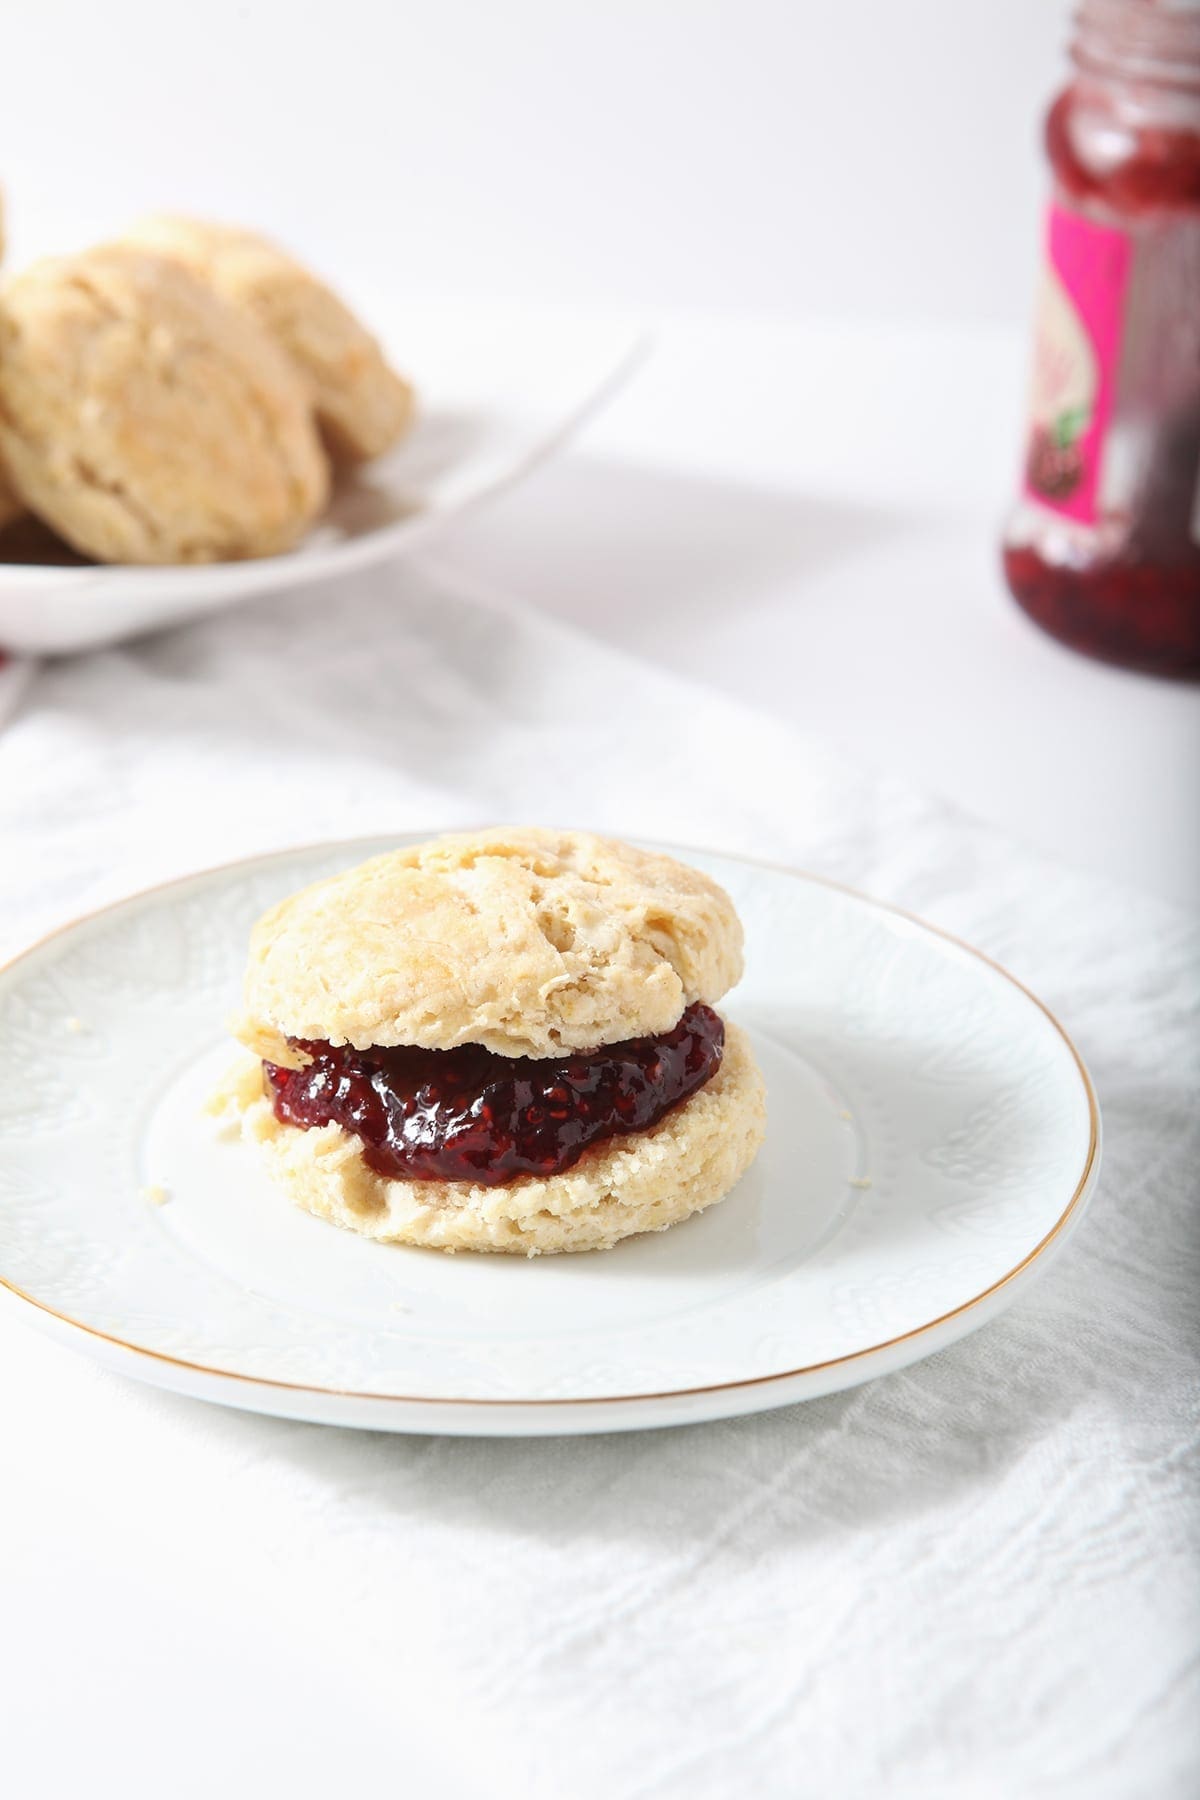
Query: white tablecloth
(975, 1578)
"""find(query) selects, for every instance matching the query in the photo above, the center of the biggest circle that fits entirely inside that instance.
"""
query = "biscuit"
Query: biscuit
(529, 941)
(11, 506)
(148, 422)
(644, 1182)
(363, 406)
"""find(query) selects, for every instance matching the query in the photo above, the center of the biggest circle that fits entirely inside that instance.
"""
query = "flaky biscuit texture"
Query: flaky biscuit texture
(147, 421)
(645, 1182)
(531, 942)
(362, 404)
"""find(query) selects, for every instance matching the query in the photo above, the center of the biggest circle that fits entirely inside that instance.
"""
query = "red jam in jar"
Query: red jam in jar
(1103, 549)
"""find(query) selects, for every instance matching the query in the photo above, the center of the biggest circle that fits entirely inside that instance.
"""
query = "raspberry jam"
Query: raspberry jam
(1103, 549)
(470, 1115)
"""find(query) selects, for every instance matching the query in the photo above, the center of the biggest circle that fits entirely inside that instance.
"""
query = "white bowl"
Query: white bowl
(498, 392)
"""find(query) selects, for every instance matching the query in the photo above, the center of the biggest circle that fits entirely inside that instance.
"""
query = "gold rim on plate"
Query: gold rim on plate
(717, 1387)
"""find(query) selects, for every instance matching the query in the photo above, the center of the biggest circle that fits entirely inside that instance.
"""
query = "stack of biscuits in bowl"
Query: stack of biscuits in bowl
(184, 394)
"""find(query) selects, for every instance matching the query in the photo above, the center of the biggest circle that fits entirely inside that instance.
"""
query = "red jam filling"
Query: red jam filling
(470, 1115)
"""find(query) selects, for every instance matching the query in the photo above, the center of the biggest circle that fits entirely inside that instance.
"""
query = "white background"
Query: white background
(830, 215)
(871, 160)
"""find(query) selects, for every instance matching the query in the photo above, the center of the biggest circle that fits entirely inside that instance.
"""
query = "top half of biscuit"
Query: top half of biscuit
(531, 942)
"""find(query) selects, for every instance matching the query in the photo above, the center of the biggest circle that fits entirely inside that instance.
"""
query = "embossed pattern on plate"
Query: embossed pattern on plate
(932, 1135)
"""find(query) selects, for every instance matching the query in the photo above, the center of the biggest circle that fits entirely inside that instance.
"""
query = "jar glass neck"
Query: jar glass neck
(1150, 45)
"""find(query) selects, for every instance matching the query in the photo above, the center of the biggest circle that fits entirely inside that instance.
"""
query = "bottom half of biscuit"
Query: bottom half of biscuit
(645, 1181)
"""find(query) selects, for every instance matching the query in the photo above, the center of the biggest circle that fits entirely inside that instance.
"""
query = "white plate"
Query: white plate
(499, 391)
(933, 1139)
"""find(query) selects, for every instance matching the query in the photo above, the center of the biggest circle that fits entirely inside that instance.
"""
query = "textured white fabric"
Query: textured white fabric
(975, 1578)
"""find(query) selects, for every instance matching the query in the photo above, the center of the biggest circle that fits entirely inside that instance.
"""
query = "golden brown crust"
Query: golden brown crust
(146, 421)
(362, 404)
(528, 941)
(645, 1182)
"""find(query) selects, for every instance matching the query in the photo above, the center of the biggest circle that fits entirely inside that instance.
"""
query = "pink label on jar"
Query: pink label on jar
(1076, 349)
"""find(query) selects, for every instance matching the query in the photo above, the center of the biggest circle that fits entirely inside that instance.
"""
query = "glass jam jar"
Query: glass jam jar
(1103, 548)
